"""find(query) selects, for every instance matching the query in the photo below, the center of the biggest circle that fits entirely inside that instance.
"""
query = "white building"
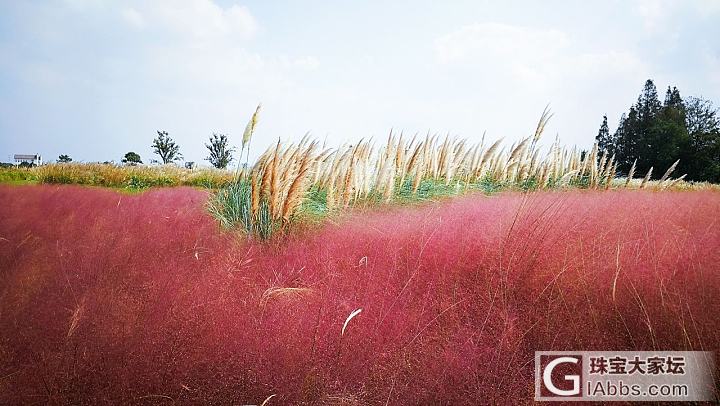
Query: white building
(34, 159)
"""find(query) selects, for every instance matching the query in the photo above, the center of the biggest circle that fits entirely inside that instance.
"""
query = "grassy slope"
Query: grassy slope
(116, 298)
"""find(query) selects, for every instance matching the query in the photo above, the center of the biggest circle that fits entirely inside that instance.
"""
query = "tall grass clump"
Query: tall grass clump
(269, 195)
(233, 207)
(289, 177)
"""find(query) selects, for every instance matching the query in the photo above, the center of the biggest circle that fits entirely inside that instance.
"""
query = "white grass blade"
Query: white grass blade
(350, 317)
(265, 402)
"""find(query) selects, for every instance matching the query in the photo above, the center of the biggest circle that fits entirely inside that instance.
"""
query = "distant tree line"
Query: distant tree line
(220, 151)
(657, 134)
(169, 151)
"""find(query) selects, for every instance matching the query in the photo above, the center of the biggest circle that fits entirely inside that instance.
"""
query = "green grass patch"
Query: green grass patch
(232, 207)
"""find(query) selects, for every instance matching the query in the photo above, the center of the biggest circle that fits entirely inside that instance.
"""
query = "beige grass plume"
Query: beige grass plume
(631, 173)
(296, 190)
(669, 171)
(250, 128)
(646, 178)
(676, 181)
(544, 118)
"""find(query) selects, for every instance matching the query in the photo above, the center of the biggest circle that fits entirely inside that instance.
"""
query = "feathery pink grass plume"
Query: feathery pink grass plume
(110, 298)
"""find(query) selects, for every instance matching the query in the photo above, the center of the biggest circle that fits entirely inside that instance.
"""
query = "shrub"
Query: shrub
(132, 158)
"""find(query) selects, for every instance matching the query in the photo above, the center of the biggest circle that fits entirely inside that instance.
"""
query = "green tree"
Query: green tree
(166, 148)
(703, 151)
(658, 134)
(648, 107)
(668, 134)
(625, 140)
(132, 158)
(638, 133)
(701, 116)
(64, 158)
(604, 139)
(673, 99)
(648, 104)
(220, 153)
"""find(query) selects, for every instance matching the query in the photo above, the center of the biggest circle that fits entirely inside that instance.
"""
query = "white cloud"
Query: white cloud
(83, 4)
(133, 17)
(303, 63)
(204, 19)
(529, 55)
(241, 20)
(660, 16)
(200, 43)
(194, 66)
(194, 19)
(187, 66)
(518, 67)
(654, 12)
(479, 42)
(708, 6)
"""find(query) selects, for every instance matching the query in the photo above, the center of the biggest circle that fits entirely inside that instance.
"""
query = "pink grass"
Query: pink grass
(109, 298)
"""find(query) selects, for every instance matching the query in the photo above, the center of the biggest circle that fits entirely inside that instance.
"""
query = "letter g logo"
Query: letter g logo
(547, 377)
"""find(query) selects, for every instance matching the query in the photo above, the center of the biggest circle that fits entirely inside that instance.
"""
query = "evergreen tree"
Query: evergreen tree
(604, 139)
(658, 134)
(673, 99)
(648, 104)
(669, 133)
(648, 107)
(626, 140)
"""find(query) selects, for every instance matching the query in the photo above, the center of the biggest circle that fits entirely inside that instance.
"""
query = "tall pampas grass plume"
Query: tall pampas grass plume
(646, 178)
(250, 128)
(669, 171)
(631, 173)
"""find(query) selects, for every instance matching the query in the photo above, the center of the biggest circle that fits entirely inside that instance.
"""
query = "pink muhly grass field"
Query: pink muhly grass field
(142, 299)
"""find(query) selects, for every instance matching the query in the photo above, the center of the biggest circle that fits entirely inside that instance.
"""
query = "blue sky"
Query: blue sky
(95, 79)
